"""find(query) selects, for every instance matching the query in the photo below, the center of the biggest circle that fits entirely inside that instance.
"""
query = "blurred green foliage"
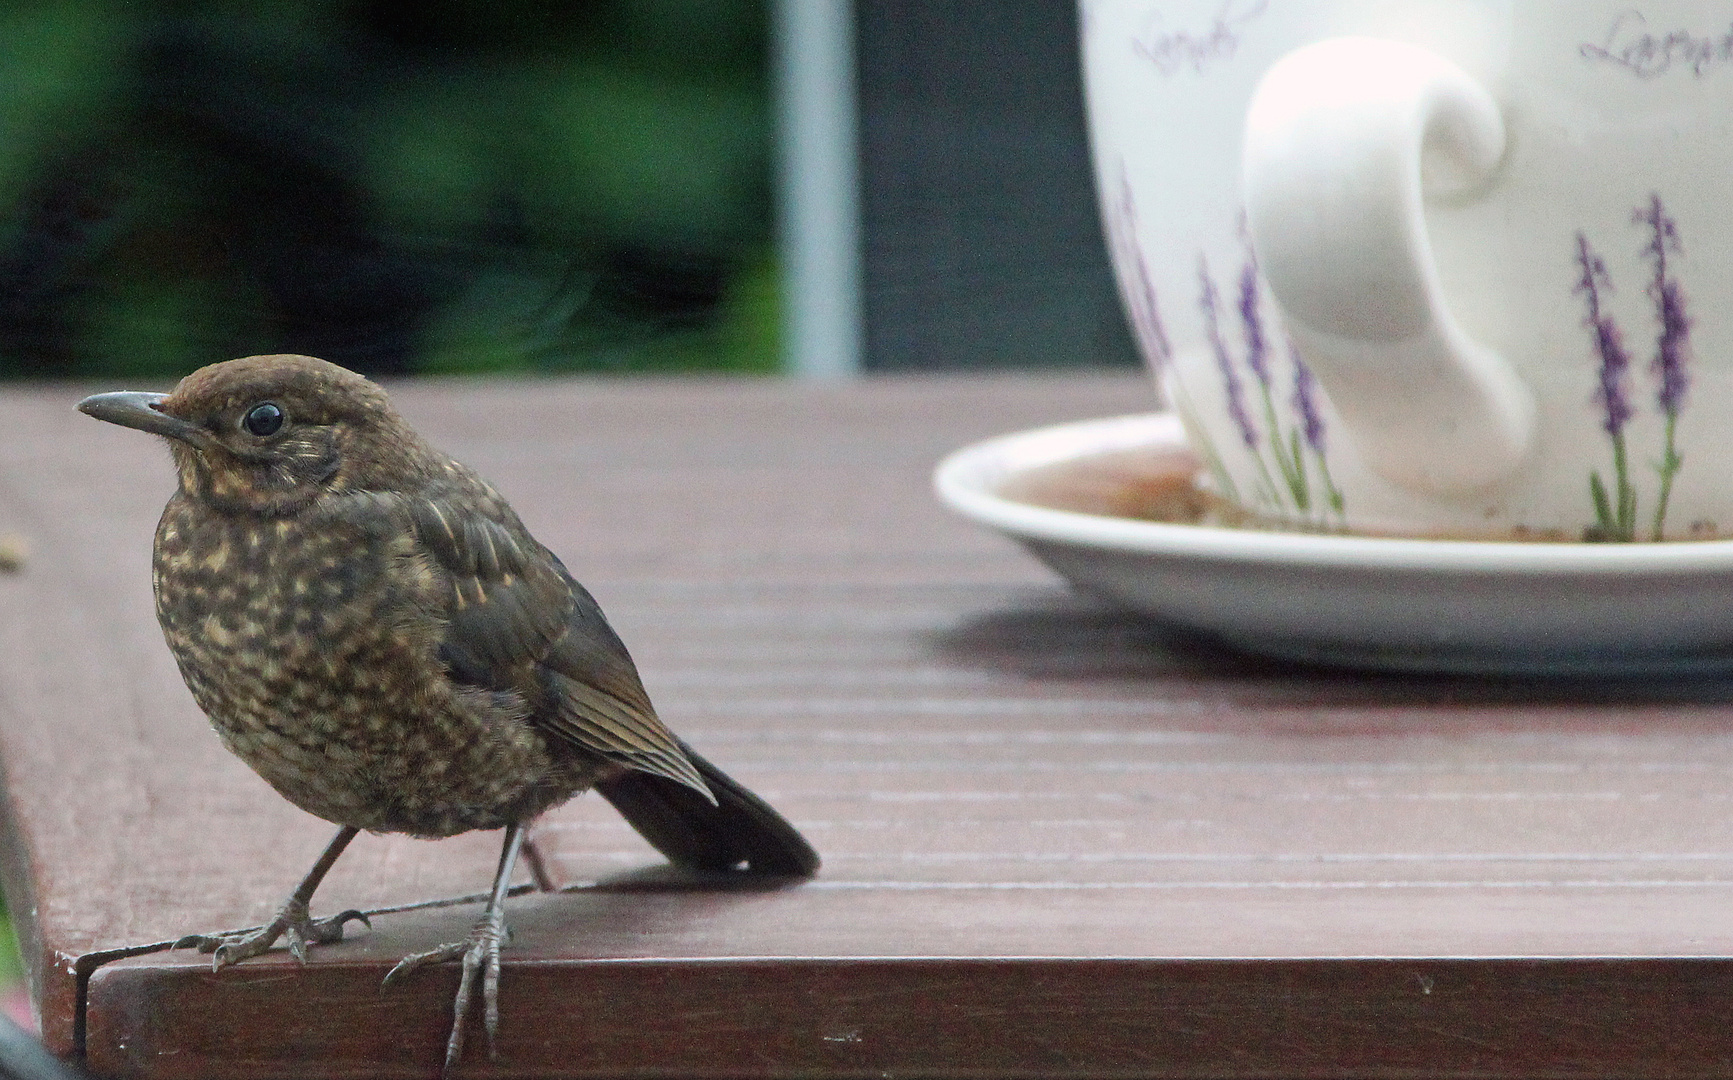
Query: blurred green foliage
(459, 185)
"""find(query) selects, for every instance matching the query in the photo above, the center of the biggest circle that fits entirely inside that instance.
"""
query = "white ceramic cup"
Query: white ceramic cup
(1432, 267)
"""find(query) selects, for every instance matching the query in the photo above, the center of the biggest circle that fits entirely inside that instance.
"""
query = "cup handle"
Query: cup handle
(1334, 139)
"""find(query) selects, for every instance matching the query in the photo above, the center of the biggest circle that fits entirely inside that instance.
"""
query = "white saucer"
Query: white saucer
(1366, 602)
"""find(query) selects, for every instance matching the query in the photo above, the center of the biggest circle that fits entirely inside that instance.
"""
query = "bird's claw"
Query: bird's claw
(293, 923)
(480, 955)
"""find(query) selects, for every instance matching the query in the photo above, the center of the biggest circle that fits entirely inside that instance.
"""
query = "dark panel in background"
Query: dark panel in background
(982, 244)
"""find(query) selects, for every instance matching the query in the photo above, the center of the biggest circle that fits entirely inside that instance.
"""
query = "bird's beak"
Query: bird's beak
(138, 409)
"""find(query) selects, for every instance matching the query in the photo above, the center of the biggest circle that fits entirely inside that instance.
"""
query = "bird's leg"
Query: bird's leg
(480, 956)
(538, 866)
(293, 920)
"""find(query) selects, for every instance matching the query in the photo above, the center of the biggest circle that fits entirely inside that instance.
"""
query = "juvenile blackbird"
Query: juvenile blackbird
(371, 628)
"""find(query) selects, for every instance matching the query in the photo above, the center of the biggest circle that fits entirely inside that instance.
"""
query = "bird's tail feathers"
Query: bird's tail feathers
(739, 830)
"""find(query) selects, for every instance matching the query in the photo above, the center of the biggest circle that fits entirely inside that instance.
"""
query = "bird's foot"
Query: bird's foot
(480, 955)
(293, 922)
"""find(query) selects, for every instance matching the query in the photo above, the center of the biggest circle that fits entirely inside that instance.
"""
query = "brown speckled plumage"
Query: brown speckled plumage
(371, 628)
(312, 643)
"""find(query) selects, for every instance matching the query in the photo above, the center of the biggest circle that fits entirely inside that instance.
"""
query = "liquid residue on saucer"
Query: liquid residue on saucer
(1168, 487)
(1136, 484)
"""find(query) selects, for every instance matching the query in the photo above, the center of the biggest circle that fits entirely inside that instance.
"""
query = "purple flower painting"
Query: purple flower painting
(1288, 450)
(1233, 388)
(1286, 445)
(1672, 343)
(1305, 402)
(1257, 347)
(1136, 287)
(1616, 507)
(1616, 511)
(1137, 290)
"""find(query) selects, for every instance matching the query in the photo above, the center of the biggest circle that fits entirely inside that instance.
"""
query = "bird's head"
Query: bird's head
(270, 434)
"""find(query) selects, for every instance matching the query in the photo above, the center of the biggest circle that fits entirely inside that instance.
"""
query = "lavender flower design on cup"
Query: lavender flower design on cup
(1616, 508)
(1672, 345)
(1312, 425)
(1616, 512)
(1233, 389)
(1295, 450)
(1141, 306)
(1293, 473)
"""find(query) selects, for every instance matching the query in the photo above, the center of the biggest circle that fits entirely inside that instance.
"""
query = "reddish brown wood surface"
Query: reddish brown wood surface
(1058, 841)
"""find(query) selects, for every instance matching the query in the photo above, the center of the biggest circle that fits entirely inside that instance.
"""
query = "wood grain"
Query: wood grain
(1059, 841)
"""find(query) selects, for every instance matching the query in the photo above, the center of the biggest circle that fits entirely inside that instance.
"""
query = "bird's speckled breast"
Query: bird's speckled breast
(312, 644)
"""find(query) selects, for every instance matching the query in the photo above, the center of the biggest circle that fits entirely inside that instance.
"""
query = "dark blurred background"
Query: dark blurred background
(525, 185)
(452, 185)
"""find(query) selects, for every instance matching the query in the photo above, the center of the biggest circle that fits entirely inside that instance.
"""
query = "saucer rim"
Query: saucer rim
(967, 479)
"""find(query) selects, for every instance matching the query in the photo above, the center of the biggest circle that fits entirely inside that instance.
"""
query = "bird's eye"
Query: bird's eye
(264, 419)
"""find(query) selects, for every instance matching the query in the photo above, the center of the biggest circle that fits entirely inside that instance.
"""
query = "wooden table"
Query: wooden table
(1058, 841)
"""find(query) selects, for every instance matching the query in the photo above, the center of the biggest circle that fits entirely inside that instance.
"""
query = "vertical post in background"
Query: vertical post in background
(817, 181)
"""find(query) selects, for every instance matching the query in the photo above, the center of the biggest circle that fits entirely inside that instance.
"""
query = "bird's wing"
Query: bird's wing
(516, 620)
(603, 703)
